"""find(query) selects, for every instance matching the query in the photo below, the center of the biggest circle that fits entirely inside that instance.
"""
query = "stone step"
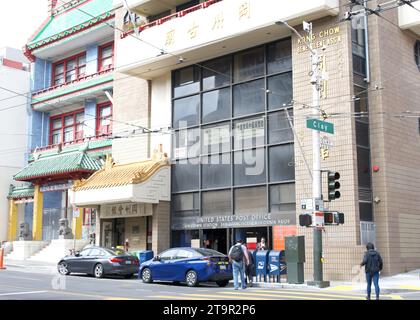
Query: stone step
(57, 250)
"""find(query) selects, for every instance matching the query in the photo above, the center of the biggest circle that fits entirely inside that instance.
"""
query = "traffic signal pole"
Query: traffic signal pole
(316, 170)
(316, 151)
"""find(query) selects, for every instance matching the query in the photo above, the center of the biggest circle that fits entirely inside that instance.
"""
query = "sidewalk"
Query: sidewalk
(405, 282)
(30, 265)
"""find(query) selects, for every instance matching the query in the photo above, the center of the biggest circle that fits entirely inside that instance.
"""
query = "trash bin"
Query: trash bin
(295, 257)
(261, 263)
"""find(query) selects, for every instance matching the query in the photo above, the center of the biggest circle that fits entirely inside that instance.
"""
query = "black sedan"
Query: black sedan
(99, 262)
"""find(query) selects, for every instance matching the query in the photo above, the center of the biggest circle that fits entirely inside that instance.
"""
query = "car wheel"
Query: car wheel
(191, 278)
(128, 276)
(63, 268)
(98, 271)
(146, 275)
(222, 283)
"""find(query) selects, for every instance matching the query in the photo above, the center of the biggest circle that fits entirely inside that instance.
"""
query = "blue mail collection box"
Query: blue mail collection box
(261, 262)
(277, 263)
(145, 255)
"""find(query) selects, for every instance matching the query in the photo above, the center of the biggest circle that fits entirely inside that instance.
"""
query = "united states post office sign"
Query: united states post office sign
(234, 221)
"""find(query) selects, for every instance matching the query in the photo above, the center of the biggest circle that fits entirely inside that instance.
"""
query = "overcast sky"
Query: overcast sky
(19, 19)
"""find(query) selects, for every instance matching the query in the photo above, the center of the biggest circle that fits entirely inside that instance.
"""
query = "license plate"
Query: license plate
(222, 267)
(128, 262)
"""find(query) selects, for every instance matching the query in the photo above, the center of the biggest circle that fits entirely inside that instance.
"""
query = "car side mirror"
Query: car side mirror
(157, 258)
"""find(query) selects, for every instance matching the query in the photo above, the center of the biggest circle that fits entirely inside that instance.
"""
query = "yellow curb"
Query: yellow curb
(409, 287)
(341, 288)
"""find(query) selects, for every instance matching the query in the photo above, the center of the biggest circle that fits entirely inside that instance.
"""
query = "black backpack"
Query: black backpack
(373, 263)
(237, 253)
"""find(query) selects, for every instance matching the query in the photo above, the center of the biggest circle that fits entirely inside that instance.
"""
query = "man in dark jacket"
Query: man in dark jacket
(373, 264)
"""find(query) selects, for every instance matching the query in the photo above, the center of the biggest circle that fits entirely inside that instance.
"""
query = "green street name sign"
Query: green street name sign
(320, 125)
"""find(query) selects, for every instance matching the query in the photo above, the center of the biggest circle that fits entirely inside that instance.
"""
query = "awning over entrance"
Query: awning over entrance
(145, 181)
(59, 164)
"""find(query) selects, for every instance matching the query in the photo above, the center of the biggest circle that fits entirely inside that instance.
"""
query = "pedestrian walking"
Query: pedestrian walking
(249, 269)
(238, 256)
(262, 245)
(373, 263)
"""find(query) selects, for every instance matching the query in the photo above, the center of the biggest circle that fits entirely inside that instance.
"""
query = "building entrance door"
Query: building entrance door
(50, 223)
(215, 239)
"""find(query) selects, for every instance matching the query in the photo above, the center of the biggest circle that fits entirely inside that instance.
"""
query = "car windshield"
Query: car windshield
(209, 252)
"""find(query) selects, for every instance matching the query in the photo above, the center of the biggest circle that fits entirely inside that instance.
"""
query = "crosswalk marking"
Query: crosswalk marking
(180, 298)
(316, 294)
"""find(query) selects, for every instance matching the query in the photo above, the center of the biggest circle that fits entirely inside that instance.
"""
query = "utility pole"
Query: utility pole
(315, 60)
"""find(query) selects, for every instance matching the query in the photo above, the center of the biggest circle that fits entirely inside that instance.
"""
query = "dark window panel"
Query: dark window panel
(186, 205)
(216, 105)
(281, 163)
(366, 211)
(186, 112)
(215, 171)
(283, 198)
(280, 91)
(249, 98)
(250, 200)
(249, 167)
(279, 127)
(279, 56)
(249, 64)
(216, 73)
(363, 167)
(215, 203)
(185, 175)
(186, 81)
(362, 134)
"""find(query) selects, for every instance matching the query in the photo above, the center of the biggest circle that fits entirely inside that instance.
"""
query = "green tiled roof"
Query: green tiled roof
(19, 192)
(71, 20)
(64, 162)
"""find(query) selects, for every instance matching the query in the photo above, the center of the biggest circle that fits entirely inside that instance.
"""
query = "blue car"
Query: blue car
(190, 265)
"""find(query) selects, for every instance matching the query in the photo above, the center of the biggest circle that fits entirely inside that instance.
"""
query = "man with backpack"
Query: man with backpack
(238, 255)
(373, 264)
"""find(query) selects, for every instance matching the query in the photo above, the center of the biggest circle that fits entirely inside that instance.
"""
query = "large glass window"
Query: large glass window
(281, 162)
(251, 200)
(279, 127)
(279, 57)
(230, 122)
(363, 166)
(186, 112)
(417, 53)
(185, 175)
(216, 105)
(186, 81)
(280, 92)
(249, 64)
(248, 98)
(215, 171)
(104, 119)
(216, 203)
(282, 198)
(249, 167)
(186, 205)
(216, 73)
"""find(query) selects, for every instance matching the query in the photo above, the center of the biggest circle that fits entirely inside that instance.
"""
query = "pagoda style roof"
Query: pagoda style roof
(62, 163)
(112, 175)
(68, 19)
(21, 192)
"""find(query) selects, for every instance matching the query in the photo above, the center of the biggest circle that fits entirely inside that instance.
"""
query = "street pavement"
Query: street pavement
(44, 283)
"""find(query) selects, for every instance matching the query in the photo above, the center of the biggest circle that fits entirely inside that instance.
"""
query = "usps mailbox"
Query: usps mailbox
(261, 264)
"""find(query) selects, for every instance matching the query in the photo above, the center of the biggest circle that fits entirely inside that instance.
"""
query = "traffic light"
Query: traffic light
(333, 217)
(333, 185)
(305, 220)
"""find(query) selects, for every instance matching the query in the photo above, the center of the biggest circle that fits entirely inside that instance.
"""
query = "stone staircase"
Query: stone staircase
(22, 250)
(58, 249)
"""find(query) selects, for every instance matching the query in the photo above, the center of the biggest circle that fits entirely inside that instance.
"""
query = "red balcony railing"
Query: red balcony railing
(80, 79)
(172, 16)
(71, 143)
